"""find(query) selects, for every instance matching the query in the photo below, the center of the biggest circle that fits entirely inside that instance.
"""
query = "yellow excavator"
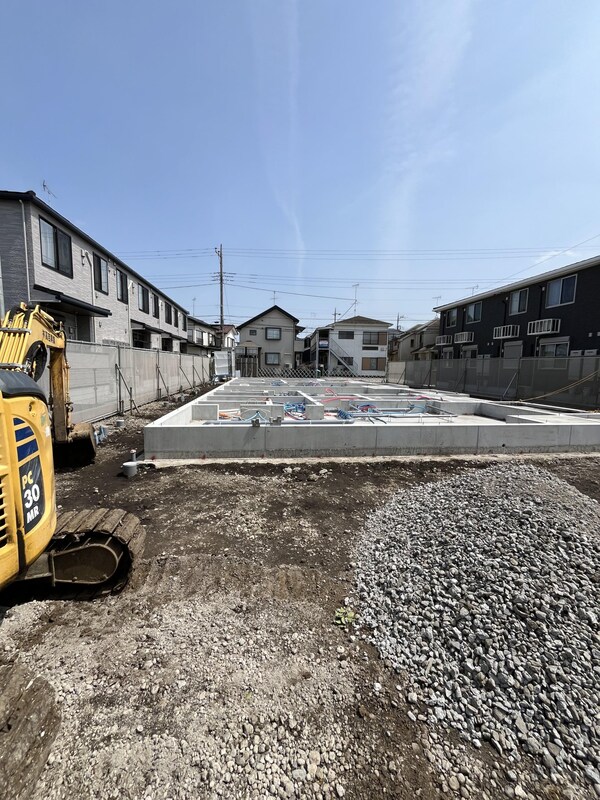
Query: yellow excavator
(83, 554)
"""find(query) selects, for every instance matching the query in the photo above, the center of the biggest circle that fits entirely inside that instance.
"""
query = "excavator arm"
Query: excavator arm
(29, 339)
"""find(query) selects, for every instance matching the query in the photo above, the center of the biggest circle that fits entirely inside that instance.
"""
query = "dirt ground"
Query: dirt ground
(261, 556)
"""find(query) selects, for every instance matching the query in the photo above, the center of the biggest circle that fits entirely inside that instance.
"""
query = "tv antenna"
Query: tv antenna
(47, 189)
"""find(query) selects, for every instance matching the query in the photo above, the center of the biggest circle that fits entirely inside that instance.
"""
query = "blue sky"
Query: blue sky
(418, 149)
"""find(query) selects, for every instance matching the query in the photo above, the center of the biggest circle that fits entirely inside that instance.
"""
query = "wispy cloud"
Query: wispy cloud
(428, 48)
(277, 57)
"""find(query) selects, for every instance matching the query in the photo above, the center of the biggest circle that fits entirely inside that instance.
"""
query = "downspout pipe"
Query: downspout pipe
(26, 251)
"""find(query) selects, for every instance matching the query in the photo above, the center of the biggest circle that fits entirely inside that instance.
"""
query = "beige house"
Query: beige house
(415, 344)
(270, 338)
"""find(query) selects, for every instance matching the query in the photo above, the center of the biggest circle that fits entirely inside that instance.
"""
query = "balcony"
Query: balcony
(507, 332)
(463, 338)
(442, 340)
(541, 326)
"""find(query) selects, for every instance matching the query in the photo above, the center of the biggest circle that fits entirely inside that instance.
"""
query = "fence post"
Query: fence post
(118, 367)
(518, 374)
(158, 375)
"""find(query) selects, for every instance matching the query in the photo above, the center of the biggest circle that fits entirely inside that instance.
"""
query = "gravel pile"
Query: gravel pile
(484, 591)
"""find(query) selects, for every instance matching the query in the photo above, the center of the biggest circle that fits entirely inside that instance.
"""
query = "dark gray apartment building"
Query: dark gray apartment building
(556, 313)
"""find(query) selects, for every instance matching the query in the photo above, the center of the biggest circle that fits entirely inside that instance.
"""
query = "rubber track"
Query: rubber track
(123, 526)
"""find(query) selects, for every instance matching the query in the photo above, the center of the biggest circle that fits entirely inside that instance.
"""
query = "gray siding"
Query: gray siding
(12, 254)
(116, 327)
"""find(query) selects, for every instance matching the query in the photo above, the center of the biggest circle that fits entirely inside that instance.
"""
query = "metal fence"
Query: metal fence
(572, 381)
(108, 379)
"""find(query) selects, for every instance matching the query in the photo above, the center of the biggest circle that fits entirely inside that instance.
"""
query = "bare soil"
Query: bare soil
(274, 540)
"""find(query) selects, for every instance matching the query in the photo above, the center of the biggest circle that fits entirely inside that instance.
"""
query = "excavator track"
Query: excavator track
(95, 551)
(92, 553)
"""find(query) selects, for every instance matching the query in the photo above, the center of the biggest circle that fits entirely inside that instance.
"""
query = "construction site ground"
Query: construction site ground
(226, 638)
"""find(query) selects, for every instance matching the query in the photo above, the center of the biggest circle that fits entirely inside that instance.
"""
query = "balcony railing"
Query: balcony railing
(540, 326)
(507, 332)
(441, 340)
(463, 338)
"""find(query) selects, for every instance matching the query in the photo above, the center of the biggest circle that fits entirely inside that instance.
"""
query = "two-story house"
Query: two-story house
(357, 345)
(270, 337)
(552, 314)
(416, 344)
(201, 337)
(46, 259)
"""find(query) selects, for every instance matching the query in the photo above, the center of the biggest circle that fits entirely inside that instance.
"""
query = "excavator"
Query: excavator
(81, 554)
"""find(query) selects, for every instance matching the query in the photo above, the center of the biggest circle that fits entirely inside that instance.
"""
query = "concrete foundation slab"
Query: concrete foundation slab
(249, 418)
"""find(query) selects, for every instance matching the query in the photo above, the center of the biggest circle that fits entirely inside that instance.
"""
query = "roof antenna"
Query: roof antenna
(47, 189)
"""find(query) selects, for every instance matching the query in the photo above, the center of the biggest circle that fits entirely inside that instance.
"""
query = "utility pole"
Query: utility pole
(219, 252)
(334, 315)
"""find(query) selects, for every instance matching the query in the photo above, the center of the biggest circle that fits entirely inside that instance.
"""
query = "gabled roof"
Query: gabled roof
(361, 321)
(264, 314)
(31, 197)
(431, 324)
(510, 287)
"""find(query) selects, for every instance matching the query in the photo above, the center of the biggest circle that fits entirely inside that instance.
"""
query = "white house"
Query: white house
(357, 345)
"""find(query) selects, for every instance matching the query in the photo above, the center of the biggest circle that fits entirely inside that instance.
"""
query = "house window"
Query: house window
(554, 349)
(347, 360)
(56, 249)
(473, 313)
(345, 334)
(518, 301)
(451, 318)
(168, 313)
(273, 334)
(122, 293)
(252, 332)
(184, 322)
(370, 337)
(373, 364)
(175, 318)
(272, 359)
(561, 291)
(100, 274)
(155, 306)
(143, 299)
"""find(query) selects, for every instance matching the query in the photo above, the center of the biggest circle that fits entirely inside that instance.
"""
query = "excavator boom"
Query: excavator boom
(29, 339)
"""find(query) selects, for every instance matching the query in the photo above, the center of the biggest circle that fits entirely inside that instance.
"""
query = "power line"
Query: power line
(554, 255)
